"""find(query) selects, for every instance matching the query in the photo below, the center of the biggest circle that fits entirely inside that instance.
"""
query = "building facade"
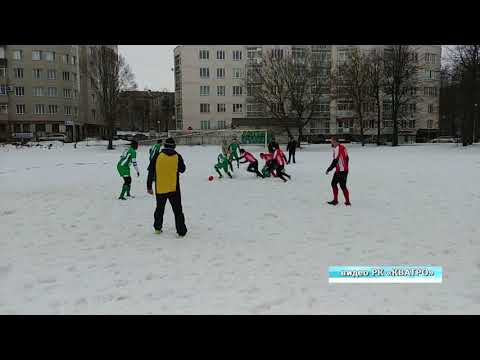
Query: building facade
(211, 91)
(146, 111)
(46, 89)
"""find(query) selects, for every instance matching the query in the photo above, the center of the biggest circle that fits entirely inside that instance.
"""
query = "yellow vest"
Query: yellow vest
(166, 169)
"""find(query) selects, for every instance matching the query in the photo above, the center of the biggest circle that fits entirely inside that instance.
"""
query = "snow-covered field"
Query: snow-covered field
(68, 246)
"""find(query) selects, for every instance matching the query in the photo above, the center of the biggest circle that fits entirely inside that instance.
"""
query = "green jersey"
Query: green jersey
(234, 149)
(154, 150)
(129, 156)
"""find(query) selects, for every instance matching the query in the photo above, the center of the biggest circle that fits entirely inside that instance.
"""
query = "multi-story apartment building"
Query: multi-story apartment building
(46, 89)
(211, 91)
(146, 111)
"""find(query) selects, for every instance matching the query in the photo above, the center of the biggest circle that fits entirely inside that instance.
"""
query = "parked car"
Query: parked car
(53, 137)
(443, 139)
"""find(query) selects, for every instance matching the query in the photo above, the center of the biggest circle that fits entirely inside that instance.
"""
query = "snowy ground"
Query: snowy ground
(68, 246)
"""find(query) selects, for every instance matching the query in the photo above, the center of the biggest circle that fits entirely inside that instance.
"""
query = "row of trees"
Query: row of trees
(290, 87)
(460, 92)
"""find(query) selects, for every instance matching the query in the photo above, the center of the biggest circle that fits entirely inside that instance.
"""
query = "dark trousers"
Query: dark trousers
(253, 167)
(281, 172)
(176, 202)
(340, 177)
(291, 154)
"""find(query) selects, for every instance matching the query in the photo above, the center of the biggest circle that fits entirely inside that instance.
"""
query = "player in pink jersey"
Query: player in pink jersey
(340, 163)
(253, 162)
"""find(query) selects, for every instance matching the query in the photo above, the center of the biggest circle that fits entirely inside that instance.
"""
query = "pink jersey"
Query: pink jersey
(249, 157)
(267, 156)
(279, 157)
(340, 153)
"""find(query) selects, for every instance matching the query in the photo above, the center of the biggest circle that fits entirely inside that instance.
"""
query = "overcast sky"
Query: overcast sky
(151, 65)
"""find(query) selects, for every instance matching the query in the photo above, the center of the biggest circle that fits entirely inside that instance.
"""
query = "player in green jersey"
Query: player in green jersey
(155, 149)
(129, 156)
(234, 148)
(222, 164)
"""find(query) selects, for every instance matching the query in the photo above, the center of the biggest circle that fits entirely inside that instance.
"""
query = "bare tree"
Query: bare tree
(352, 83)
(375, 83)
(305, 83)
(466, 61)
(266, 84)
(400, 77)
(111, 75)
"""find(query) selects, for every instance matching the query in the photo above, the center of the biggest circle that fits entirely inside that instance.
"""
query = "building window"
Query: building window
(51, 74)
(16, 128)
(412, 108)
(75, 111)
(237, 91)
(3, 90)
(430, 108)
(52, 109)
(92, 83)
(204, 54)
(93, 98)
(36, 55)
(66, 58)
(221, 124)
(66, 76)
(221, 73)
(237, 73)
(220, 90)
(18, 73)
(430, 124)
(205, 124)
(74, 77)
(75, 93)
(48, 55)
(277, 53)
(237, 55)
(204, 108)
(237, 108)
(73, 60)
(67, 93)
(3, 108)
(221, 108)
(94, 113)
(20, 109)
(37, 74)
(52, 91)
(55, 128)
(430, 91)
(411, 124)
(37, 91)
(39, 109)
(204, 90)
(2, 51)
(40, 127)
(3, 72)
(17, 54)
(204, 72)
(345, 106)
(67, 110)
(220, 55)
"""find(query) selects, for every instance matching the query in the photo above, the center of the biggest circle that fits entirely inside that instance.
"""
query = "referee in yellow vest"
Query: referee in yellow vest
(165, 168)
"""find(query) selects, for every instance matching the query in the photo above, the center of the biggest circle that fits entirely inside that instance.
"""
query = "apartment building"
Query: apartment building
(46, 89)
(211, 91)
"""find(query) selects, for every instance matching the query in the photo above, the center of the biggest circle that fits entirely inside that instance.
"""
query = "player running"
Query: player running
(280, 160)
(222, 164)
(340, 163)
(129, 156)
(253, 163)
(234, 148)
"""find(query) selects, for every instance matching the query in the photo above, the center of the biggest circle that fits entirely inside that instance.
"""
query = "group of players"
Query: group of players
(275, 159)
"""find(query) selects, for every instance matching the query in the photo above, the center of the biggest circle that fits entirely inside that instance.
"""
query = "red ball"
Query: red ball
(210, 178)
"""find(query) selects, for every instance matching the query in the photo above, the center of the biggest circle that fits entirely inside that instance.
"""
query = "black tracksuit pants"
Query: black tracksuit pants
(291, 154)
(175, 200)
(253, 167)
